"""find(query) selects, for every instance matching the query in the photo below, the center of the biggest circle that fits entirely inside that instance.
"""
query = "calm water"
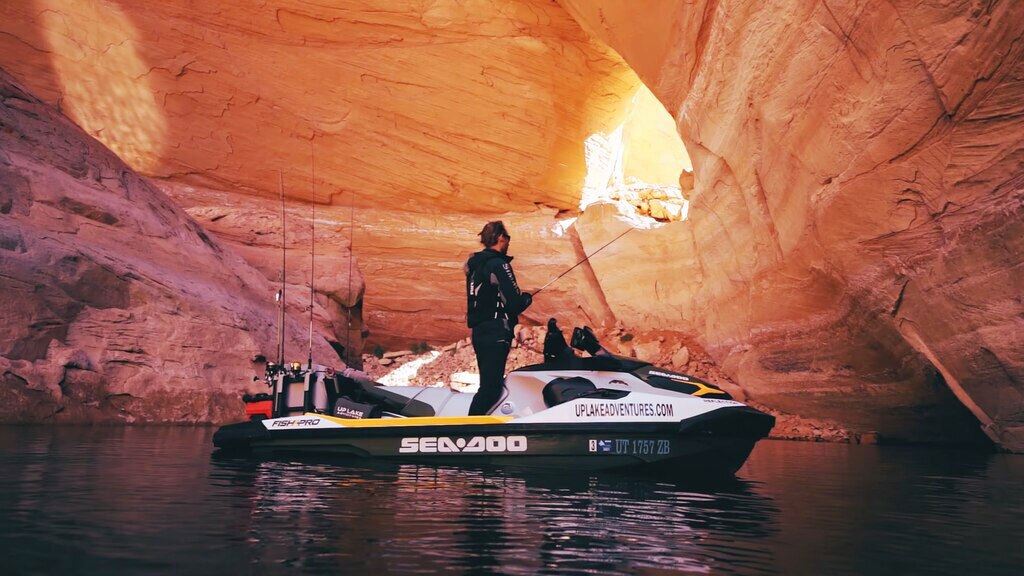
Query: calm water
(154, 501)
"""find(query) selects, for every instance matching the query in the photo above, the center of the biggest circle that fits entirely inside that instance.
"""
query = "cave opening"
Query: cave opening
(638, 162)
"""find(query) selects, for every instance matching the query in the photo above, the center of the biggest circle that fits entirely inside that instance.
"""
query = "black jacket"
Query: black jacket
(491, 290)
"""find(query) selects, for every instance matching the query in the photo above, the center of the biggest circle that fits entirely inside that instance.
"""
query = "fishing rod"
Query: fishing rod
(552, 281)
(312, 245)
(280, 293)
(351, 256)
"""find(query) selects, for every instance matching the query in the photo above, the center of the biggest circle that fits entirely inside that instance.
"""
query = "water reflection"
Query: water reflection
(422, 519)
(894, 510)
(153, 501)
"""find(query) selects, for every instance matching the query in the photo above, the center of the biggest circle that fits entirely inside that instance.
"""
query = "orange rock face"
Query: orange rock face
(853, 244)
(427, 119)
(400, 102)
(856, 226)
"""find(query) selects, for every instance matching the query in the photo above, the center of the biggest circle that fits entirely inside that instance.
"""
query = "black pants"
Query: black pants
(491, 342)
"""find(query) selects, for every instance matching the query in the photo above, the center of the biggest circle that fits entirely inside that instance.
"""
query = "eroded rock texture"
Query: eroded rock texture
(857, 223)
(276, 238)
(853, 247)
(427, 118)
(117, 306)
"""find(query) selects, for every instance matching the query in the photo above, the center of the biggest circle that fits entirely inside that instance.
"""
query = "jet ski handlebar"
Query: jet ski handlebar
(583, 339)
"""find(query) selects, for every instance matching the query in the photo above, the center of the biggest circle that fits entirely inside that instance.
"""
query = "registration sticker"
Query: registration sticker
(642, 446)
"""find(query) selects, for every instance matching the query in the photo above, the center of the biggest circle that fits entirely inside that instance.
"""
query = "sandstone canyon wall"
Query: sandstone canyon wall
(427, 118)
(117, 306)
(857, 222)
(853, 247)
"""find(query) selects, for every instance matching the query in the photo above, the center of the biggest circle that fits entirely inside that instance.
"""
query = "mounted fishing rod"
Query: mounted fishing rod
(312, 245)
(280, 293)
(336, 346)
(351, 256)
(294, 389)
(594, 253)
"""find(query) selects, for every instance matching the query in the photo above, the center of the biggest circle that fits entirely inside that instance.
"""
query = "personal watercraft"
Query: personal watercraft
(570, 412)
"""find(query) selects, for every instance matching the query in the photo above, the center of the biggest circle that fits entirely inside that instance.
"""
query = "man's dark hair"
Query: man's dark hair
(491, 232)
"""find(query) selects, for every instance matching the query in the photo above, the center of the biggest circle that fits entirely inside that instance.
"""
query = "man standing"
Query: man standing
(494, 303)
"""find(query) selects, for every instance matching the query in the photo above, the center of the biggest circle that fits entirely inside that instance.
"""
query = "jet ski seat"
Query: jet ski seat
(561, 390)
(357, 386)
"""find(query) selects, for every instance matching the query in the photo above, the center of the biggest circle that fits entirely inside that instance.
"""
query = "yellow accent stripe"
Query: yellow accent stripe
(701, 389)
(704, 389)
(415, 421)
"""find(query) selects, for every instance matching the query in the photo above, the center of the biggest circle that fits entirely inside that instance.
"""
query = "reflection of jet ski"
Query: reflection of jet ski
(597, 412)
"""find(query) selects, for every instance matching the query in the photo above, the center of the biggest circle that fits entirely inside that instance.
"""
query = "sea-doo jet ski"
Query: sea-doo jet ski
(570, 412)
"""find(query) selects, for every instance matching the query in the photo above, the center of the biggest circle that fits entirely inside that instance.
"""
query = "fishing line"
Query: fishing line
(552, 281)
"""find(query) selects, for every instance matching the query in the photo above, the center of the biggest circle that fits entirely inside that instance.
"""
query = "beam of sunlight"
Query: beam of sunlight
(104, 82)
(638, 165)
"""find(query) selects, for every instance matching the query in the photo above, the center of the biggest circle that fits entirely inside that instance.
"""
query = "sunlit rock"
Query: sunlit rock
(856, 223)
(418, 122)
(848, 244)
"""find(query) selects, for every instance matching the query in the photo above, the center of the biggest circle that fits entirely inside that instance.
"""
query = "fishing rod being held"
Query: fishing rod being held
(552, 281)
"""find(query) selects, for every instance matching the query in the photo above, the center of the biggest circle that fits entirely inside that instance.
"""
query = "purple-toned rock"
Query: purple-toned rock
(117, 306)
